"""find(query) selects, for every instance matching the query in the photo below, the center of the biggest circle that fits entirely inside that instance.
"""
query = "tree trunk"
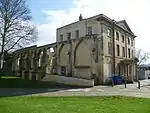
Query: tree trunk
(2, 54)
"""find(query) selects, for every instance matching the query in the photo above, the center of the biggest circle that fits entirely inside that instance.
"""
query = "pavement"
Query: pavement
(117, 90)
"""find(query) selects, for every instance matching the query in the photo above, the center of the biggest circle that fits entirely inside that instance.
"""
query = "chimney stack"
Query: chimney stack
(80, 17)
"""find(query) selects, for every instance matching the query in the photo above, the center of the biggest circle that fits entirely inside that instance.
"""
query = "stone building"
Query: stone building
(86, 52)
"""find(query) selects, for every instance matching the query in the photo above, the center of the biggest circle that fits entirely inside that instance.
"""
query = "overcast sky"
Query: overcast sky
(51, 14)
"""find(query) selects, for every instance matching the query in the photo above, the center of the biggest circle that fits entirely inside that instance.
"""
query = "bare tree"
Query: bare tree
(142, 56)
(16, 30)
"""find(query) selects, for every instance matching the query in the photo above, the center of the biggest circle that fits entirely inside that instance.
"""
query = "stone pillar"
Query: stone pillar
(30, 75)
(38, 74)
(122, 69)
(13, 65)
(69, 58)
(132, 75)
(23, 74)
(44, 70)
(17, 73)
(46, 57)
(31, 63)
(134, 71)
(129, 74)
(56, 57)
(126, 70)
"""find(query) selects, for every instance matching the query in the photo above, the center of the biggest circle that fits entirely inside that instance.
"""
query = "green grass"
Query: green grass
(16, 82)
(74, 105)
(9, 77)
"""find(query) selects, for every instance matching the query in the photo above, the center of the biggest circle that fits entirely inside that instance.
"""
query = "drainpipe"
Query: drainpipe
(85, 27)
(126, 66)
(113, 57)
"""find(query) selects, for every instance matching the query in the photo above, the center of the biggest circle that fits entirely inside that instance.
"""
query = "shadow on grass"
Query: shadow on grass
(15, 86)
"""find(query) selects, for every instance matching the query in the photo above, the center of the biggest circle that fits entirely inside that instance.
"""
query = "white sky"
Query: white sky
(135, 12)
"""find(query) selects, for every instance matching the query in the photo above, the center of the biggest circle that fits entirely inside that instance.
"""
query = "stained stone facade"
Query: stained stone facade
(90, 49)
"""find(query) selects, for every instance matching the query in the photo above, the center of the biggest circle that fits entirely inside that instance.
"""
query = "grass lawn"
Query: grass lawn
(74, 105)
(17, 82)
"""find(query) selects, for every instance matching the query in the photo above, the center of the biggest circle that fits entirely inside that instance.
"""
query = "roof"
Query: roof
(121, 24)
(79, 21)
(124, 25)
(26, 48)
(144, 66)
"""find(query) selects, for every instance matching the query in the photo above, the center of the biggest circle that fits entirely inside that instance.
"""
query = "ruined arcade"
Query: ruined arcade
(86, 52)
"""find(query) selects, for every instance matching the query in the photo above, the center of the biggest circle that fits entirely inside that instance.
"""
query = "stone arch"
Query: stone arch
(17, 61)
(55, 48)
(40, 56)
(33, 59)
(44, 58)
(33, 54)
(63, 51)
(25, 55)
(29, 59)
(22, 61)
(51, 49)
(82, 47)
(51, 59)
(60, 49)
(49, 53)
(25, 58)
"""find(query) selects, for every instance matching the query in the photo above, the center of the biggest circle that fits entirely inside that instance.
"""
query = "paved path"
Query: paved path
(131, 90)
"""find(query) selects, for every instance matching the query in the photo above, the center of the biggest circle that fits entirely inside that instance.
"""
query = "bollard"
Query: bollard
(125, 83)
(112, 82)
(138, 84)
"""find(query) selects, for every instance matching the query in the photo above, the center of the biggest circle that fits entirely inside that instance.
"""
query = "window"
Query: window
(109, 48)
(129, 52)
(132, 42)
(61, 37)
(129, 41)
(123, 51)
(118, 50)
(89, 30)
(117, 35)
(69, 35)
(77, 33)
(122, 38)
(108, 32)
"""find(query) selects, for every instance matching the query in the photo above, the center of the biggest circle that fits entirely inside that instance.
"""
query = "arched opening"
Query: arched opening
(33, 61)
(51, 50)
(51, 60)
(82, 55)
(63, 55)
(18, 62)
(63, 59)
(26, 66)
(40, 59)
(82, 60)
(25, 61)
